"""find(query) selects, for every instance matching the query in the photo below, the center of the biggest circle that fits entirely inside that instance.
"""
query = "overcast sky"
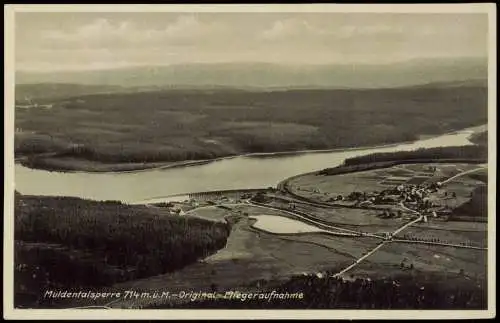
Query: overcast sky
(70, 41)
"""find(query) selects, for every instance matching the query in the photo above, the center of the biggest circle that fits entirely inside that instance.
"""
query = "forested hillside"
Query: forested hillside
(69, 242)
(164, 126)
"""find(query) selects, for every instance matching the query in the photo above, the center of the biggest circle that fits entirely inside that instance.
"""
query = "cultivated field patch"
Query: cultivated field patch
(396, 258)
(324, 188)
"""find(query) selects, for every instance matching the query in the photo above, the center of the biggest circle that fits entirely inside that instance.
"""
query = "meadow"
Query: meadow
(365, 220)
(395, 258)
(322, 188)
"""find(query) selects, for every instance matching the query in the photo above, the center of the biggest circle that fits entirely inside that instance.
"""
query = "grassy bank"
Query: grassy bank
(62, 164)
(70, 242)
(117, 129)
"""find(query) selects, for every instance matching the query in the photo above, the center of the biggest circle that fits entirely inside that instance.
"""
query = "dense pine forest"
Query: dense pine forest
(424, 154)
(201, 124)
(63, 241)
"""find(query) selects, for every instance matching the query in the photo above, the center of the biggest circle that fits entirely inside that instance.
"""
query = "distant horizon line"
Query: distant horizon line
(250, 87)
(84, 68)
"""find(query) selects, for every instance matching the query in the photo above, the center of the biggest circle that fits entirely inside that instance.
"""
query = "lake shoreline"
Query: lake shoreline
(141, 167)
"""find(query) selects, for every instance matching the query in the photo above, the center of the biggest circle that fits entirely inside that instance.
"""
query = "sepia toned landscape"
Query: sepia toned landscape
(251, 161)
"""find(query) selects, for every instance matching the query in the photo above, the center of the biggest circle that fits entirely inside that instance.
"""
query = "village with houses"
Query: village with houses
(398, 198)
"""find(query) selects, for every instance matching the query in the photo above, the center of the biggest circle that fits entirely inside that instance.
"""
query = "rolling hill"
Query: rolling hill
(264, 75)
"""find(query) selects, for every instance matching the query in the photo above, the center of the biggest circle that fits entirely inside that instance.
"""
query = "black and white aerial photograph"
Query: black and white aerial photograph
(202, 157)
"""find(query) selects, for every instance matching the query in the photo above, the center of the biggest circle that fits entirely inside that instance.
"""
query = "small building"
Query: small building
(388, 235)
(178, 211)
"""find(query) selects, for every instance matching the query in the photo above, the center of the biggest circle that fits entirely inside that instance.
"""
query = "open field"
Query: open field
(362, 219)
(212, 213)
(476, 238)
(455, 225)
(120, 128)
(458, 274)
(425, 259)
(323, 188)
